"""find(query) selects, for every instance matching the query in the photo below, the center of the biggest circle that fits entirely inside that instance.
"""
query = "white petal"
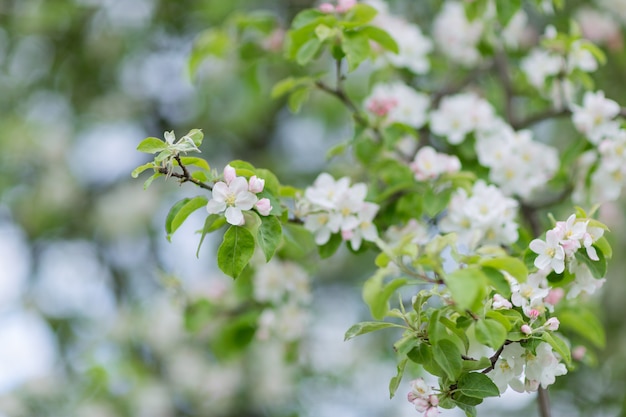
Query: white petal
(215, 207)
(234, 216)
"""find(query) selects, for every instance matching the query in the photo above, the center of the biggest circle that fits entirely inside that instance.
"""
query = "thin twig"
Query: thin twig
(539, 117)
(544, 402)
(185, 176)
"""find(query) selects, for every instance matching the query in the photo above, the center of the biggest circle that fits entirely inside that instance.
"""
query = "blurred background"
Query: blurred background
(101, 316)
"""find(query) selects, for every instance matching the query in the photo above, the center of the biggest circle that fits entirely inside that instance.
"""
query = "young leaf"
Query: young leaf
(491, 333)
(477, 385)
(179, 213)
(196, 136)
(356, 47)
(584, 323)
(235, 251)
(377, 295)
(142, 168)
(269, 236)
(367, 327)
(513, 266)
(559, 346)
(597, 268)
(194, 160)
(308, 50)
(395, 381)
(147, 183)
(448, 357)
(381, 37)
(211, 224)
(467, 287)
(151, 145)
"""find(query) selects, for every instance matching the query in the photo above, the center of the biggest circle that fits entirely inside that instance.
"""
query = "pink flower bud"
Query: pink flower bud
(347, 234)
(533, 314)
(526, 329)
(256, 185)
(382, 106)
(326, 8)
(420, 404)
(229, 174)
(499, 302)
(431, 412)
(578, 353)
(433, 400)
(552, 324)
(264, 207)
(554, 296)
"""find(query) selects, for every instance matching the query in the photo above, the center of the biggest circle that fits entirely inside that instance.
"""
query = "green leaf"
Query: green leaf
(195, 161)
(306, 17)
(368, 327)
(179, 213)
(477, 385)
(211, 224)
(289, 84)
(603, 245)
(269, 235)
(151, 145)
(147, 183)
(297, 99)
(235, 251)
(491, 333)
(376, 294)
(513, 266)
(506, 10)
(584, 323)
(597, 268)
(329, 248)
(323, 32)
(381, 37)
(308, 51)
(448, 357)
(475, 365)
(356, 46)
(460, 333)
(359, 15)
(559, 346)
(497, 281)
(395, 381)
(142, 168)
(196, 136)
(336, 150)
(423, 355)
(467, 287)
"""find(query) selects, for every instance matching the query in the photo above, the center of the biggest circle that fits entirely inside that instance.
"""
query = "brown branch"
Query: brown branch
(502, 68)
(185, 176)
(539, 117)
(544, 402)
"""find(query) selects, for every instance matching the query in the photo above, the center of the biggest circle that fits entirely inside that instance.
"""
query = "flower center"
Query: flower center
(230, 200)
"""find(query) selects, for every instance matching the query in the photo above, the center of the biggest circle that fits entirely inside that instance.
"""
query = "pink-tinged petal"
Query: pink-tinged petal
(234, 216)
(229, 174)
(215, 207)
(591, 252)
(256, 184)
(264, 207)
(246, 200)
(220, 191)
(238, 185)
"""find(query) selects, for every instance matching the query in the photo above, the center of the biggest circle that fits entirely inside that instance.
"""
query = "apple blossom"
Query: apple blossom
(263, 206)
(461, 114)
(594, 114)
(429, 164)
(397, 102)
(232, 199)
(550, 251)
(460, 44)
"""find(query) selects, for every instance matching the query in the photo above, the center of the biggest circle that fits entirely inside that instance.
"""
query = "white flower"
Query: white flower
(540, 64)
(413, 46)
(365, 229)
(457, 37)
(581, 58)
(584, 282)
(397, 102)
(544, 367)
(461, 114)
(551, 253)
(530, 294)
(595, 112)
(429, 164)
(509, 366)
(232, 198)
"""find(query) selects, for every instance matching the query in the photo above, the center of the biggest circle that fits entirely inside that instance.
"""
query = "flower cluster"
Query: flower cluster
(397, 102)
(342, 6)
(284, 287)
(518, 164)
(485, 217)
(461, 114)
(594, 117)
(548, 71)
(563, 241)
(524, 370)
(236, 194)
(461, 44)
(413, 46)
(430, 164)
(423, 398)
(331, 206)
